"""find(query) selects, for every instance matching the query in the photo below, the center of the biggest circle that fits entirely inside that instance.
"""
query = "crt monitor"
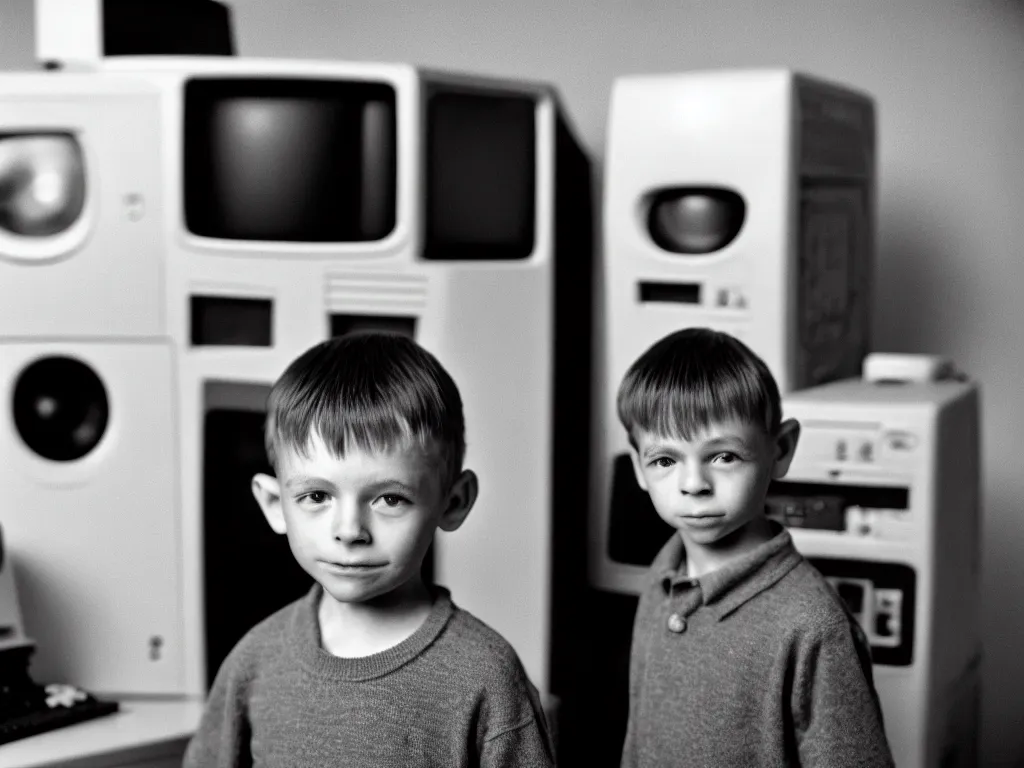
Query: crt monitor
(305, 160)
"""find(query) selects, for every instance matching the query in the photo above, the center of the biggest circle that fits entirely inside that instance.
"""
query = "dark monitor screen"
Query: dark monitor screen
(481, 165)
(289, 159)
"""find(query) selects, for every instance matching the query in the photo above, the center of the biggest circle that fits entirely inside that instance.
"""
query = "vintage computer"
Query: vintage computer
(218, 216)
(741, 200)
(883, 497)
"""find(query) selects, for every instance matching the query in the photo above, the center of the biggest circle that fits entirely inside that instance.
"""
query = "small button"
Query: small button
(901, 441)
(841, 450)
(135, 205)
(867, 452)
(676, 623)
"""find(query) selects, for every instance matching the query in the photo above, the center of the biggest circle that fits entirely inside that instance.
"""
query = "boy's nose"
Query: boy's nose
(692, 481)
(348, 525)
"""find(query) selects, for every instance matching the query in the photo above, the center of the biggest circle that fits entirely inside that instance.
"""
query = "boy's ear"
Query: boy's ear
(785, 446)
(634, 457)
(267, 491)
(461, 498)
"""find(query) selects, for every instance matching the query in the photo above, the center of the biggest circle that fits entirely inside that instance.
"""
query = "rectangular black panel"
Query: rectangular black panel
(869, 496)
(342, 324)
(481, 159)
(249, 571)
(669, 293)
(166, 27)
(573, 655)
(232, 322)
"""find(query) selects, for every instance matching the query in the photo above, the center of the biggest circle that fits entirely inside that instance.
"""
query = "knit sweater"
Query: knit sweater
(758, 663)
(452, 694)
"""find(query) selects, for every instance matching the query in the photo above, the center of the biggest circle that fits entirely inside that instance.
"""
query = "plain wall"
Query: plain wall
(949, 80)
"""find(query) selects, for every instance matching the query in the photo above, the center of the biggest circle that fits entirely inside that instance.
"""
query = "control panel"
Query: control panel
(881, 597)
(857, 445)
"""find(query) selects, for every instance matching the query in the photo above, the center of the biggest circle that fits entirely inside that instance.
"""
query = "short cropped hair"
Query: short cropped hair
(693, 378)
(369, 389)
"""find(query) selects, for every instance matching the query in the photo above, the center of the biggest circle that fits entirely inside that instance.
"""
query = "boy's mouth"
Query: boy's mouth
(351, 567)
(703, 519)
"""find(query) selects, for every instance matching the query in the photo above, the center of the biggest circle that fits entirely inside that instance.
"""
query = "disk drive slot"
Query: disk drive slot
(669, 293)
(873, 496)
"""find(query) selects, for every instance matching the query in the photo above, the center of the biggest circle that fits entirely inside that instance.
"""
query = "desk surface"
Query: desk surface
(140, 725)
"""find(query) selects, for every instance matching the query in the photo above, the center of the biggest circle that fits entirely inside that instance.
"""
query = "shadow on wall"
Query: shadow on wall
(17, 35)
(1002, 621)
(921, 274)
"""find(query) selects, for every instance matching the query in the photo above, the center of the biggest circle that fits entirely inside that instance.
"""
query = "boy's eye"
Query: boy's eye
(314, 497)
(726, 458)
(393, 499)
(662, 461)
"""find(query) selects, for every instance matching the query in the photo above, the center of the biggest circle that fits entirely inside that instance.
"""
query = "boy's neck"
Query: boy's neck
(353, 630)
(702, 559)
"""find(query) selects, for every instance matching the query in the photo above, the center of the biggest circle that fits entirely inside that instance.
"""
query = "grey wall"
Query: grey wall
(949, 79)
(17, 39)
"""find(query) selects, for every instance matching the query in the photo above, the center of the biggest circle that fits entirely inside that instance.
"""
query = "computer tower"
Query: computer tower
(883, 497)
(740, 200)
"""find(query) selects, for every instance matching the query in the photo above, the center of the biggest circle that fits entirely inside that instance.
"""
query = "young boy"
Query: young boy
(742, 653)
(373, 667)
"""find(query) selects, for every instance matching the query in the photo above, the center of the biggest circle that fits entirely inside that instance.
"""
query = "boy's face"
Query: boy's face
(360, 525)
(715, 483)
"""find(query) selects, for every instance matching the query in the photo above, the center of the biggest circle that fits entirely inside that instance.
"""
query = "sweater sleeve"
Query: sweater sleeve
(521, 738)
(836, 712)
(222, 739)
(525, 746)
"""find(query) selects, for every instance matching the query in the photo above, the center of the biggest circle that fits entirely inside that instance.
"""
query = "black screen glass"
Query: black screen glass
(481, 166)
(289, 159)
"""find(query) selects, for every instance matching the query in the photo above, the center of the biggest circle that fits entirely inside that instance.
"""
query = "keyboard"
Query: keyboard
(27, 708)
(42, 720)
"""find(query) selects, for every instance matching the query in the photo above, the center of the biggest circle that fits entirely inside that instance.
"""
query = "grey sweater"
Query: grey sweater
(756, 664)
(452, 694)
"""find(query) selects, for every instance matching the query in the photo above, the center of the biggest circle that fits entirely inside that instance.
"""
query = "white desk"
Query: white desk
(143, 734)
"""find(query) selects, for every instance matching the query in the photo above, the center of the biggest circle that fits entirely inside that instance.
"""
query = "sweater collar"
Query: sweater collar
(306, 633)
(727, 588)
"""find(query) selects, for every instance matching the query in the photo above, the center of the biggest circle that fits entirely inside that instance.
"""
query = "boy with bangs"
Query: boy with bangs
(742, 653)
(373, 667)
